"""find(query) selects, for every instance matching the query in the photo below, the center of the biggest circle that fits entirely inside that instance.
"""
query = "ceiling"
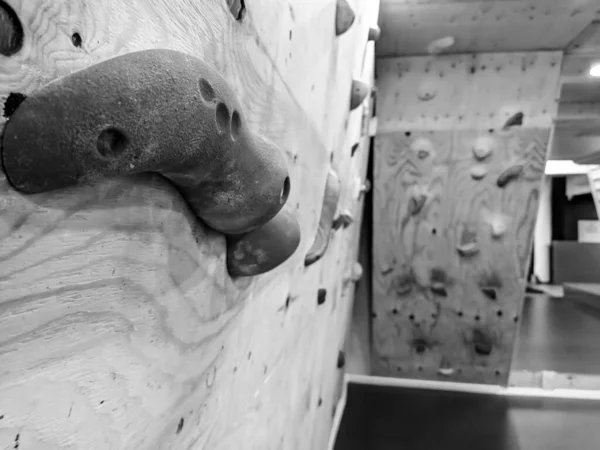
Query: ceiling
(417, 27)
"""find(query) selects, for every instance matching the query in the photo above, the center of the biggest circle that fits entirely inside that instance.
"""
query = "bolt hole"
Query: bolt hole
(434, 231)
(499, 313)
(222, 117)
(394, 311)
(111, 143)
(76, 40)
(411, 317)
(285, 191)
(460, 313)
(407, 133)
(236, 125)
(11, 30)
(420, 368)
(498, 373)
(477, 317)
(206, 90)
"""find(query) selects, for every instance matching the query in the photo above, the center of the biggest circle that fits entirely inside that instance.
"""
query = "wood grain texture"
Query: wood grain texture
(408, 27)
(454, 211)
(119, 327)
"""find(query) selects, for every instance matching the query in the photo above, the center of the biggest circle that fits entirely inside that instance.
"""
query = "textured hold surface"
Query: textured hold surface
(478, 172)
(264, 248)
(510, 174)
(11, 30)
(330, 202)
(344, 17)
(359, 92)
(101, 122)
(374, 33)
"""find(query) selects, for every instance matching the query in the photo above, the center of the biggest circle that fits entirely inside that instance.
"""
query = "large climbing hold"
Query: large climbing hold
(264, 248)
(11, 30)
(359, 92)
(344, 17)
(330, 202)
(149, 111)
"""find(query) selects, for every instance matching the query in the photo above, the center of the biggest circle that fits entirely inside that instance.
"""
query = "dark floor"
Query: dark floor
(559, 334)
(392, 418)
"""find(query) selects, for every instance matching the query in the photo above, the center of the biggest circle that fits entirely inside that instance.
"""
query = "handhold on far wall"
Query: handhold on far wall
(344, 17)
(101, 122)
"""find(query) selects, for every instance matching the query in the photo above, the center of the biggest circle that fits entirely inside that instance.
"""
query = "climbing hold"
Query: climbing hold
(354, 274)
(422, 147)
(468, 249)
(498, 228)
(478, 172)
(363, 189)
(321, 296)
(483, 147)
(344, 17)
(341, 360)
(510, 174)
(263, 248)
(426, 90)
(482, 343)
(514, 120)
(439, 45)
(402, 284)
(330, 201)
(489, 292)
(416, 203)
(102, 122)
(359, 92)
(420, 345)
(343, 220)
(374, 33)
(439, 288)
(11, 30)
(446, 371)
(237, 8)
(12, 102)
(353, 149)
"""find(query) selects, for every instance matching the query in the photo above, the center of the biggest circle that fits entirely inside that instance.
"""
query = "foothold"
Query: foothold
(76, 40)
(237, 8)
(264, 248)
(330, 201)
(359, 92)
(498, 228)
(478, 172)
(420, 345)
(96, 123)
(439, 45)
(12, 102)
(482, 343)
(354, 274)
(341, 360)
(344, 17)
(446, 371)
(439, 280)
(354, 148)
(321, 296)
(510, 174)
(483, 147)
(468, 249)
(180, 425)
(343, 220)
(416, 203)
(374, 33)
(422, 147)
(489, 292)
(11, 30)
(514, 120)
(426, 90)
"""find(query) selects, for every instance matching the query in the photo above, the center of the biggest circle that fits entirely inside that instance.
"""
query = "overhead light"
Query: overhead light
(595, 70)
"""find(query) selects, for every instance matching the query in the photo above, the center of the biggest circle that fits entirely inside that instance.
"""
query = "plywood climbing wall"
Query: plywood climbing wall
(460, 155)
(119, 325)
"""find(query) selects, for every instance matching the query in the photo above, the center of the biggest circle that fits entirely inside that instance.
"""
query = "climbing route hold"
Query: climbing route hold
(344, 17)
(468, 249)
(354, 273)
(330, 201)
(439, 45)
(446, 371)
(101, 122)
(416, 203)
(422, 148)
(478, 172)
(489, 292)
(482, 343)
(427, 90)
(513, 121)
(353, 149)
(359, 92)
(438, 288)
(264, 248)
(341, 360)
(11, 30)
(510, 174)
(483, 147)
(237, 8)
(343, 220)
(363, 188)
(374, 33)
(321, 296)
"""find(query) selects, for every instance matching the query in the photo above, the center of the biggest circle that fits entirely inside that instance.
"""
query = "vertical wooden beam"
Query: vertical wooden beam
(460, 154)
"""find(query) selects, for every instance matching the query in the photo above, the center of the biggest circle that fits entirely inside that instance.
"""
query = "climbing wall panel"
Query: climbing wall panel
(457, 181)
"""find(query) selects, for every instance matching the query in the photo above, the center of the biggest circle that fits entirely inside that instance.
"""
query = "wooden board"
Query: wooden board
(432, 317)
(119, 327)
(408, 27)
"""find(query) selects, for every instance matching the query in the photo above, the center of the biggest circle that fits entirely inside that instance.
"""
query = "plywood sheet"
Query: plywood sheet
(119, 327)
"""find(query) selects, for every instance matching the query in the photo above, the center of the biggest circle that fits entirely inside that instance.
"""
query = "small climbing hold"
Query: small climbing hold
(237, 8)
(374, 33)
(264, 248)
(341, 360)
(489, 292)
(478, 172)
(482, 343)
(12, 102)
(321, 296)
(11, 30)
(514, 120)
(363, 188)
(344, 17)
(446, 371)
(354, 274)
(359, 92)
(510, 174)
(427, 90)
(483, 147)
(95, 123)
(468, 249)
(416, 203)
(498, 228)
(422, 147)
(353, 149)
(439, 288)
(343, 220)
(330, 202)
(420, 345)
(439, 45)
